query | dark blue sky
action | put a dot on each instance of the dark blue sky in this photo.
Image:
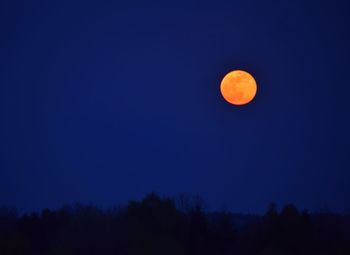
(106, 101)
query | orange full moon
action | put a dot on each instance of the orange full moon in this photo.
(238, 87)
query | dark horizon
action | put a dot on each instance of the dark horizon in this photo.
(207, 208)
(157, 225)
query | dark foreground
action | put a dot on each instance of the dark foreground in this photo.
(171, 226)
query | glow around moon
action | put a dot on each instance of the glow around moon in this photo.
(238, 87)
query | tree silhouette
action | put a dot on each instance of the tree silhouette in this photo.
(157, 225)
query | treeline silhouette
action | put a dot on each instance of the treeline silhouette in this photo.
(171, 226)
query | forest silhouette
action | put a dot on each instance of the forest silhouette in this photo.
(172, 226)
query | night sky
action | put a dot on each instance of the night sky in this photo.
(105, 101)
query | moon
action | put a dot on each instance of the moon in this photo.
(238, 87)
